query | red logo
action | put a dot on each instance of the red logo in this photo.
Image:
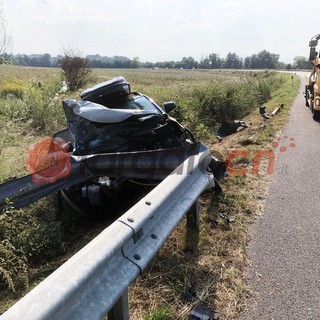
(245, 158)
(48, 160)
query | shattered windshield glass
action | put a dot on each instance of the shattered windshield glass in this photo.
(138, 103)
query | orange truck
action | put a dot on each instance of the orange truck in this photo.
(312, 88)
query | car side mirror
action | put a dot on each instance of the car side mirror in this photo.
(313, 54)
(313, 43)
(169, 106)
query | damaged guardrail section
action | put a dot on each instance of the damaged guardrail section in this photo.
(93, 281)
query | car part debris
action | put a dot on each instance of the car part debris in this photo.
(265, 115)
(263, 112)
(229, 127)
(202, 313)
(226, 217)
(277, 109)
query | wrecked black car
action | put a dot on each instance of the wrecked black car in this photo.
(111, 118)
(114, 136)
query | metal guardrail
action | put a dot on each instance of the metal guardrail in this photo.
(94, 282)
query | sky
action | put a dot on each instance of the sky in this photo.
(163, 30)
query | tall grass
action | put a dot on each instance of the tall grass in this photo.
(31, 102)
(229, 101)
(13, 267)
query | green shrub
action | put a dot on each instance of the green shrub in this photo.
(268, 85)
(13, 267)
(161, 313)
(222, 102)
(264, 90)
(14, 109)
(201, 132)
(229, 101)
(35, 232)
(14, 87)
(75, 70)
(38, 105)
(42, 242)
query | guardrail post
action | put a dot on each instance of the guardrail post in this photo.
(193, 217)
(193, 221)
(120, 311)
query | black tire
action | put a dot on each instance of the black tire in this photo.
(306, 96)
(311, 106)
(316, 115)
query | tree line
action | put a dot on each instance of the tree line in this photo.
(263, 60)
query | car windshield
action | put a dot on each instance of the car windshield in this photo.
(138, 103)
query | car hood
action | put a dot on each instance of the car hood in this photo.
(98, 113)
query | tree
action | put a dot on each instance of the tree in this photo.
(263, 60)
(45, 60)
(204, 63)
(213, 61)
(188, 63)
(246, 63)
(136, 62)
(233, 61)
(301, 63)
(5, 38)
(268, 60)
(75, 69)
(252, 62)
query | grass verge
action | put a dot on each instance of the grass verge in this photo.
(208, 267)
(192, 268)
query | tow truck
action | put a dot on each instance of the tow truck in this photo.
(312, 88)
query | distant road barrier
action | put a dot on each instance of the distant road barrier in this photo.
(94, 282)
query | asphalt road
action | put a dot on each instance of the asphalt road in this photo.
(285, 245)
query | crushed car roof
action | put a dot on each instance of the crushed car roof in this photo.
(99, 113)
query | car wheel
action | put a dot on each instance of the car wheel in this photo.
(306, 96)
(311, 106)
(316, 115)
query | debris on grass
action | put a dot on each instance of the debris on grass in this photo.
(202, 313)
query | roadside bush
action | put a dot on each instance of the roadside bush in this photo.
(14, 109)
(13, 267)
(220, 102)
(76, 70)
(36, 105)
(44, 109)
(228, 101)
(13, 87)
(162, 313)
(12, 222)
(268, 85)
(36, 233)
(202, 132)
(42, 242)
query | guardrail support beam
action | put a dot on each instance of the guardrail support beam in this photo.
(120, 311)
(193, 217)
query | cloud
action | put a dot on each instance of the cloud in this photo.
(168, 30)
